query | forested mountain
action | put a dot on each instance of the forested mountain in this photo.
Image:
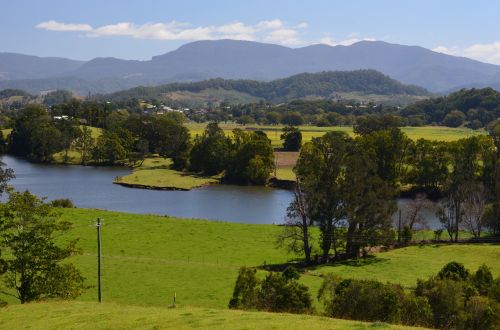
(322, 85)
(236, 59)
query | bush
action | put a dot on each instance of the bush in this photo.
(483, 280)
(363, 300)
(454, 271)
(63, 203)
(276, 293)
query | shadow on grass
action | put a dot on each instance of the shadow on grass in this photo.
(301, 266)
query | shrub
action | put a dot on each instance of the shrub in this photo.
(276, 293)
(363, 300)
(483, 280)
(454, 271)
(245, 289)
(63, 203)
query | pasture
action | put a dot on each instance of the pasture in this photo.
(147, 258)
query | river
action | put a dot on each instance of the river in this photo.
(92, 187)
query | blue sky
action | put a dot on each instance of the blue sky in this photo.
(140, 29)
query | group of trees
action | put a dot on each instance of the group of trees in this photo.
(453, 299)
(124, 138)
(347, 187)
(245, 157)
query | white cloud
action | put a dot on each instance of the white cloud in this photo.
(270, 25)
(57, 26)
(484, 52)
(489, 53)
(284, 37)
(352, 39)
(275, 31)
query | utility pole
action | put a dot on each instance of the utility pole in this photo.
(399, 226)
(98, 225)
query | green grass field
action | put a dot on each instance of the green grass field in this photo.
(156, 172)
(147, 258)
(437, 133)
(66, 315)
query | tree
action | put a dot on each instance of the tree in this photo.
(369, 202)
(413, 211)
(369, 124)
(251, 158)
(430, 162)
(389, 149)
(292, 138)
(84, 143)
(454, 119)
(169, 139)
(210, 151)
(295, 235)
(109, 148)
(320, 169)
(292, 119)
(473, 208)
(34, 135)
(36, 266)
(69, 133)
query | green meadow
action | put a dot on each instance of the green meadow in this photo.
(86, 315)
(147, 258)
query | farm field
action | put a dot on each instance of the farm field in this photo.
(86, 315)
(437, 133)
(146, 258)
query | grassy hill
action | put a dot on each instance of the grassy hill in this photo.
(65, 315)
(147, 258)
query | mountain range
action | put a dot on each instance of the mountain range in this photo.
(235, 59)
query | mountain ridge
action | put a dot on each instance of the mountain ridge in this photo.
(236, 59)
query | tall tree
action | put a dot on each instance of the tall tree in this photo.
(35, 264)
(320, 168)
(84, 143)
(369, 202)
(210, 151)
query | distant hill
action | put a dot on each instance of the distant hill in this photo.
(471, 107)
(235, 59)
(305, 85)
(15, 66)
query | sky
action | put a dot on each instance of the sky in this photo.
(131, 29)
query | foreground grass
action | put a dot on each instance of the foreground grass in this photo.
(146, 258)
(65, 315)
(156, 173)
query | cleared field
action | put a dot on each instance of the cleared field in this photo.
(156, 172)
(437, 133)
(405, 265)
(66, 315)
(146, 258)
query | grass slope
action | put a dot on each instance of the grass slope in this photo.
(147, 258)
(156, 173)
(66, 315)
